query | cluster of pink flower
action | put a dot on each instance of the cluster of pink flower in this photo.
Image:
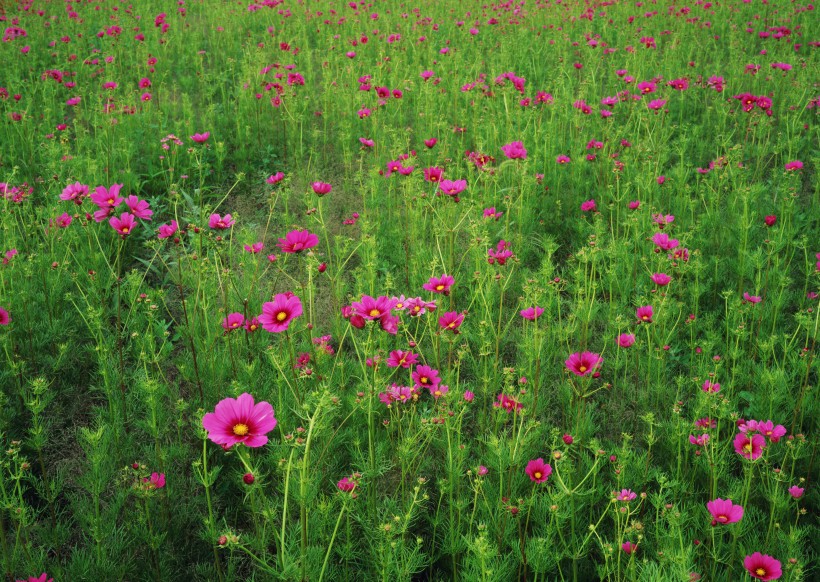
(751, 440)
(749, 102)
(15, 194)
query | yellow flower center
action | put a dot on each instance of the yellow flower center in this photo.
(722, 518)
(644, 317)
(437, 393)
(125, 229)
(253, 327)
(582, 369)
(240, 429)
(111, 201)
(439, 287)
(423, 380)
(760, 571)
(537, 474)
(399, 305)
(281, 316)
(374, 312)
(747, 447)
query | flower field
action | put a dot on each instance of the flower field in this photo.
(321, 291)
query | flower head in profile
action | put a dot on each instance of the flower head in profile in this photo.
(629, 547)
(626, 340)
(168, 230)
(240, 420)
(532, 313)
(201, 137)
(297, 241)
(660, 279)
(275, 178)
(277, 314)
(538, 470)
(255, 248)
(124, 224)
(321, 188)
(762, 567)
(515, 151)
(347, 484)
(796, 492)
(749, 446)
(795, 165)
(155, 481)
(751, 298)
(584, 363)
(5, 318)
(507, 403)
(439, 284)
(217, 222)
(41, 578)
(589, 206)
(724, 511)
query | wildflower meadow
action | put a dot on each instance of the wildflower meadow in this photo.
(417, 290)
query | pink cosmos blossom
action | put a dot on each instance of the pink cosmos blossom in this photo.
(492, 213)
(233, 321)
(240, 421)
(107, 197)
(346, 485)
(251, 324)
(660, 279)
(662, 220)
(662, 241)
(626, 495)
(218, 222)
(468, 396)
(626, 340)
(507, 403)
(373, 308)
(770, 431)
(41, 578)
(139, 208)
(155, 481)
(297, 241)
(5, 318)
(795, 165)
(277, 315)
(796, 492)
(532, 313)
(433, 174)
(699, 440)
(399, 358)
(589, 206)
(453, 187)
(770, 220)
(124, 224)
(451, 320)
(710, 387)
(584, 363)
(168, 230)
(751, 298)
(438, 391)
(64, 220)
(430, 143)
(515, 151)
(368, 143)
(538, 470)
(749, 446)
(201, 137)
(425, 377)
(724, 512)
(762, 567)
(439, 284)
(75, 192)
(562, 159)
(501, 253)
(275, 178)
(656, 104)
(144, 97)
(418, 306)
(255, 248)
(629, 548)
(321, 188)
(634, 204)
(644, 314)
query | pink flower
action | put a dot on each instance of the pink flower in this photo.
(626, 495)
(538, 470)
(532, 313)
(584, 364)
(773, 433)
(277, 315)
(628, 548)
(107, 197)
(438, 391)
(644, 314)
(751, 298)
(439, 284)
(468, 396)
(589, 206)
(425, 377)
(5, 318)
(700, 440)
(660, 279)
(507, 403)
(662, 241)
(346, 485)
(634, 204)
(321, 188)
(662, 220)
(41, 578)
(139, 208)
(492, 213)
(724, 512)
(297, 241)
(710, 387)
(201, 137)
(252, 324)
(515, 150)
(656, 104)
(762, 567)
(795, 165)
(626, 340)
(796, 492)
(749, 446)
(75, 192)
(433, 174)
(452, 187)
(482, 470)
(451, 320)
(168, 230)
(770, 219)
(500, 254)
(370, 308)
(233, 321)
(145, 96)
(399, 358)
(156, 481)
(562, 159)
(275, 178)
(64, 220)
(418, 306)
(218, 222)
(239, 420)
(255, 248)
(124, 224)
(368, 143)
(430, 143)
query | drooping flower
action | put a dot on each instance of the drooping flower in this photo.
(724, 511)
(217, 222)
(762, 567)
(626, 340)
(233, 321)
(239, 420)
(749, 446)
(439, 284)
(699, 440)
(297, 241)
(277, 315)
(451, 320)
(538, 470)
(515, 151)
(751, 298)
(584, 363)
(124, 224)
(644, 314)
(156, 481)
(532, 313)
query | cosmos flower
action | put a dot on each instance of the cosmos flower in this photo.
(240, 421)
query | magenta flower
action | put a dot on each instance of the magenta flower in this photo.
(710, 387)
(451, 320)
(749, 446)
(275, 178)
(634, 204)
(538, 470)
(629, 547)
(762, 567)
(107, 197)
(439, 284)
(626, 495)
(500, 254)
(233, 321)
(751, 298)
(5, 318)
(796, 492)
(507, 403)
(277, 315)
(430, 143)
(75, 192)
(656, 104)
(255, 248)
(700, 440)
(724, 512)
(438, 390)
(239, 420)
(589, 206)
(433, 174)
(492, 213)
(795, 165)
(139, 208)
(418, 306)
(662, 241)
(584, 364)
(773, 433)
(346, 485)
(468, 396)
(452, 187)
(64, 220)
(321, 188)
(218, 222)
(373, 308)
(425, 377)
(532, 313)
(626, 340)
(644, 314)
(41, 578)
(515, 151)
(156, 481)
(660, 279)
(201, 137)
(168, 230)
(398, 358)
(252, 324)
(297, 241)
(662, 220)
(562, 159)
(124, 224)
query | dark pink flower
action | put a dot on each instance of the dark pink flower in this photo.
(275, 178)
(660, 279)
(584, 363)
(433, 174)
(5, 318)
(532, 313)
(626, 495)
(644, 314)
(107, 197)
(538, 470)
(751, 298)
(239, 420)
(321, 188)
(425, 377)
(629, 547)
(626, 340)
(297, 241)
(724, 512)
(156, 481)
(233, 321)
(749, 446)
(201, 137)
(507, 403)
(589, 206)
(453, 187)
(439, 284)
(139, 208)
(124, 224)
(218, 222)
(515, 150)
(277, 315)
(399, 358)
(451, 320)
(762, 567)
(168, 230)
(796, 492)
